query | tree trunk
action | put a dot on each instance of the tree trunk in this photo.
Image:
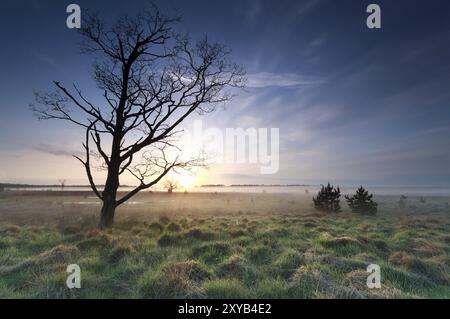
(107, 213)
(109, 196)
(112, 180)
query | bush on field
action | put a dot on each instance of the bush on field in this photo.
(362, 202)
(328, 199)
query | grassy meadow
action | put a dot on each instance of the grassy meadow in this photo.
(226, 245)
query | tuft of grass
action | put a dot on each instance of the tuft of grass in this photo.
(99, 240)
(174, 227)
(168, 240)
(197, 233)
(272, 289)
(287, 263)
(177, 280)
(120, 251)
(405, 280)
(211, 252)
(260, 254)
(10, 230)
(339, 242)
(425, 248)
(236, 267)
(60, 253)
(157, 227)
(164, 220)
(343, 265)
(436, 272)
(159, 286)
(226, 289)
(191, 269)
(309, 282)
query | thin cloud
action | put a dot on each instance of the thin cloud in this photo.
(44, 58)
(53, 150)
(307, 7)
(267, 79)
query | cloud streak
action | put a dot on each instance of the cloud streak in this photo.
(53, 150)
(268, 79)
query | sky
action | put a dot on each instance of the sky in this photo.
(353, 105)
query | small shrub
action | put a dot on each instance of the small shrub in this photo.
(328, 199)
(362, 202)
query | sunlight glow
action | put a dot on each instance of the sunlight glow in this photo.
(186, 181)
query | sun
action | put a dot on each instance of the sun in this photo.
(186, 181)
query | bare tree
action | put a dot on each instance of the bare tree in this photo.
(151, 79)
(62, 183)
(170, 185)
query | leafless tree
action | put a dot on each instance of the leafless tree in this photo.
(170, 185)
(151, 78)
(62, 183)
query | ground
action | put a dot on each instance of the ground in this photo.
(226, 245)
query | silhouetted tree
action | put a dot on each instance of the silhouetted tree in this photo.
(151, 79)
(62, 183)
(362, 202)
(328, 199)
(171, 185)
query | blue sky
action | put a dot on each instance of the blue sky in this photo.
(353, 105)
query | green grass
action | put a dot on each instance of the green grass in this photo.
(276, 255)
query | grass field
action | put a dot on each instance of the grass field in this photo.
(221, 246)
